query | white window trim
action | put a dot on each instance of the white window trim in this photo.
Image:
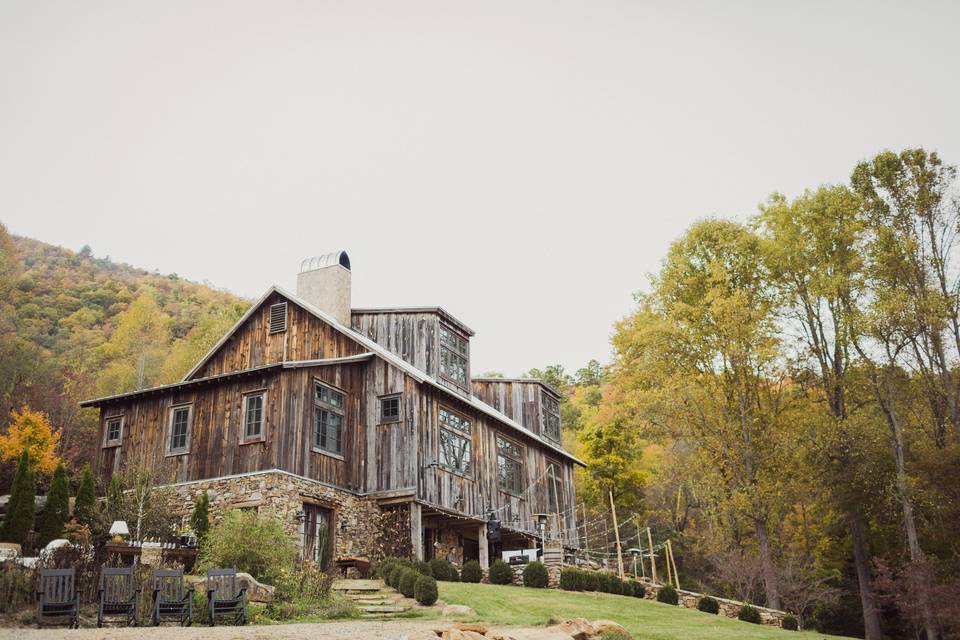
(262, 436)
(173, 411)
(107, 442)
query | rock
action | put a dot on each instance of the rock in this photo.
(256, 591)
(610, 626)
(476, 627)
(10, 550)
(540, 634)
(473, 635)
(576, 628)
(458, 610)
(453, 634)
(500, 636)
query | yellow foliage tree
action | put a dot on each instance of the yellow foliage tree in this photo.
(31, 431)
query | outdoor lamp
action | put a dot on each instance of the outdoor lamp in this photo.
(119, 529)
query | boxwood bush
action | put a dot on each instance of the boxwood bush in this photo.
(708, 605)
(535, 575)
(571, 579)
(790, 623)
(408, 581)
(636, 589)
(471, 572)
(668, 595)
(749, 614)
(425, 590)
(443, 570)
(501, 573)
(590, 581)
(423, 568)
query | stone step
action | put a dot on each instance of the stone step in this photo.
(357, 586)
(373, 601)
(383, 609)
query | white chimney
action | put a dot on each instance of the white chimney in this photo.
(324, 282)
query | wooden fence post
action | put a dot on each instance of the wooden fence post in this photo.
(616, 531)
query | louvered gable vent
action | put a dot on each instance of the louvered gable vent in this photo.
(278, 317)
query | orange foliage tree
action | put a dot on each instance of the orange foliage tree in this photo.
(31, 431)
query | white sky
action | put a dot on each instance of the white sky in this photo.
(523, 164)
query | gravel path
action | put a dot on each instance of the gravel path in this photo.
(358, 629)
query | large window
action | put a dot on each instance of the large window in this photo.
(454, 356)
(554, 488)
(455, 441)
(328, 420)
(550, 411)
(509, 465)
(179, 430)
(114, 434)
(253, 416)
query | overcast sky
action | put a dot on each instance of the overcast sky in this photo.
(523, 164)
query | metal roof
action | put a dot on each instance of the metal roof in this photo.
(331, 259)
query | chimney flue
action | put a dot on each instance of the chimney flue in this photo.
(324, 282)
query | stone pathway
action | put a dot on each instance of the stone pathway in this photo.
(372, 597)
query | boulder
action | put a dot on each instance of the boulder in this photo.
(458, 610)
(540, 634)
(576, 628)
(609, 626)
(476, 627)
(453, 634)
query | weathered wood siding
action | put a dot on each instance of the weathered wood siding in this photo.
(413, 337)
(519, 400)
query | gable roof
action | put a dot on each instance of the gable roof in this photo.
(385, 354)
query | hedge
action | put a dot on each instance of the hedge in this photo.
(708, 605)
(471, 572)
(535, 575)
(749, 614)
(668, 595)
(501, 573)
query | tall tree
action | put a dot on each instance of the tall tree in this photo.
(31, 431)
(22, 505)
(137, 346)
(85, 506)
(56, 510)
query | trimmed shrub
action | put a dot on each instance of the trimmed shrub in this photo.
(57, 508)
(571, 579)
(408, 582)
(471, 572)
(708, 605)
(423, 568)
(790, 623)
(535, 575)
(589, 581)
(425, 590)
(749, 614)
(443, 570)
(501, 573)
(395, 574)
(668, 595)
(637, 590)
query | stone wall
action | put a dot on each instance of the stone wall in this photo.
(282, 494)
(728, 608)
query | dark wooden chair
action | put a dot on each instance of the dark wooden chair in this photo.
(223, 597)
(58, 597)
(118, 595)
(172, 599)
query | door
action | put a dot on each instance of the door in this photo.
(317, 534)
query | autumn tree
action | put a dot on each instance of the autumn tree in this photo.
(136, 348)
(31, 431)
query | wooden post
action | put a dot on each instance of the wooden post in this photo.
(616, 531)
(666, 557)
(653, 559)
(676, 576)
(484, 547)
(586, 540)
(643, 570)
(416, 531)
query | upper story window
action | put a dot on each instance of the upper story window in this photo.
(181, 420)
(550, 413)
(253, 416)
(114, 432)
(509, 465)
(328, 420)
(455, 441)
(454, 356)
(555, 502)
(390, 409)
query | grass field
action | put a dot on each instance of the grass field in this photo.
(647, 620)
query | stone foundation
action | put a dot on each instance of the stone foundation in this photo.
(357, 519)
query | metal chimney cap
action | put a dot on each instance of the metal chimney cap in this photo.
(326, 260)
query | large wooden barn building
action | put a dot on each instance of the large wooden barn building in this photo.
(361, 429)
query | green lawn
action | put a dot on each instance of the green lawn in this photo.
(646, 619)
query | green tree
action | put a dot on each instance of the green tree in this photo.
(56, 510)
(85, 505)
(137, 346)
(116, 498)
(22, 505)
(200, 518)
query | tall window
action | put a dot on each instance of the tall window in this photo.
(389, 409)
(317, 534)
(554, 488)
(455, 441)
(550, 410)
(454, 355)
(114, 433)
(328, 420)
(253, 416)
(509, 465)
(180, 418)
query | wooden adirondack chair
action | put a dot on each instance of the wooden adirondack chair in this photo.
(223, 597)
(118, 595)
(58, 597)
(171, 598)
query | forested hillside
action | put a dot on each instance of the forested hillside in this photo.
(74, 326)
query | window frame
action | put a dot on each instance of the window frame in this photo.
(322, 405)
(107, 440)
(455, 432)
(246, 397)
(384, 398)
(455, 353)
(544, 398)
(170, 451)
(518, 459)
(558, 488)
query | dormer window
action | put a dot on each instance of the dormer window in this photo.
(550, 414)
(454, 357)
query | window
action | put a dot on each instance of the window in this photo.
(554, 488)
(454, 355)
(253, 417)
(455, 441)
(278, 317)
(114, 433)
(317, 538)
(179, 440)
(509, 465)
(389, 409)
(550, 412)
(328, 420)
